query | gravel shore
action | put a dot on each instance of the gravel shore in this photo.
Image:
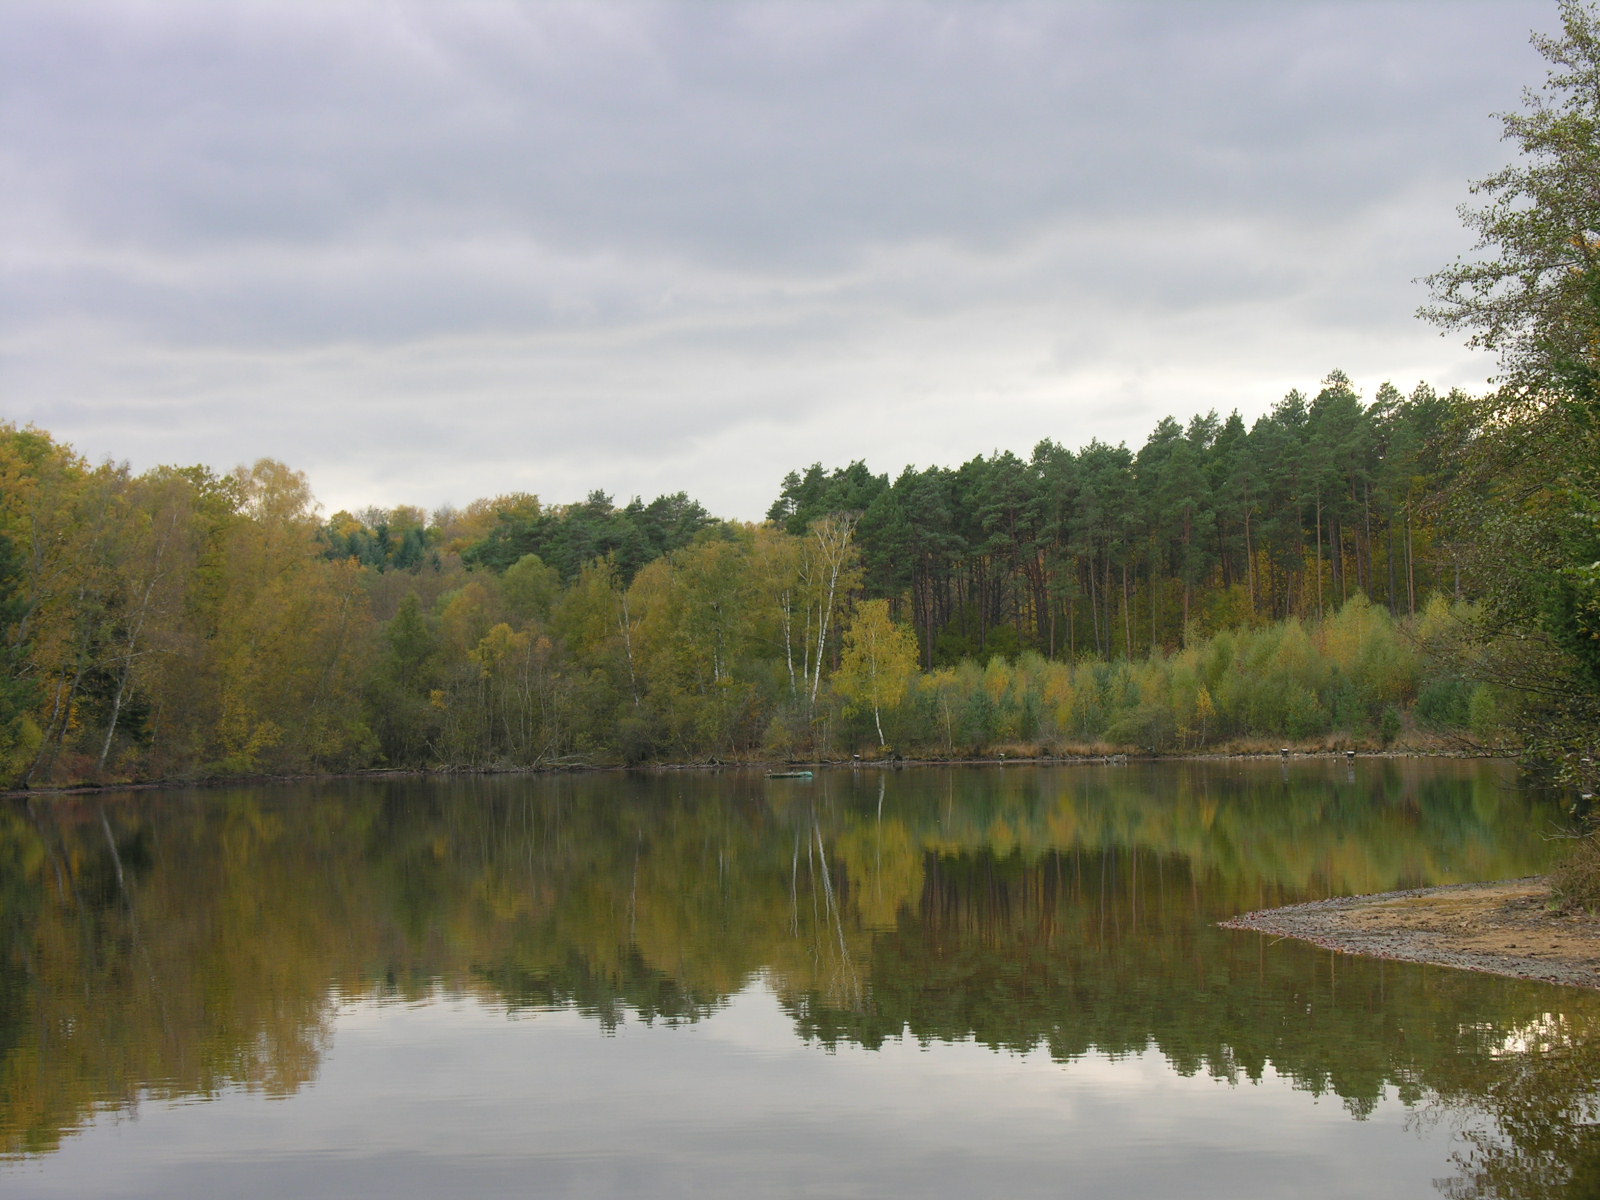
(1505, 928)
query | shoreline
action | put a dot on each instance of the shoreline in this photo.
(1001, 760)
(1505, 927)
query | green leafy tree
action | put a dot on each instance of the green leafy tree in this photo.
(1531, 293)
(402, 685)
(17, 693)
(879, 661)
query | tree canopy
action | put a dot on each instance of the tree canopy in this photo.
(1529, 493)
(1531, 291)
(1221, 582)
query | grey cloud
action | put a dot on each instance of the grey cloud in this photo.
(711, 126)
(600, 233)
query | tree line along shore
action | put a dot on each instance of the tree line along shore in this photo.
(1221, 587)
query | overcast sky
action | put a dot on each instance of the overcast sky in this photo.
(428, 252)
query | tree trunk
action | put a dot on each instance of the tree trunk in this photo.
(1127, 614)
(1319, 556)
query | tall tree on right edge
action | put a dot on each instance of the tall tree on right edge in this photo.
(1530, 487)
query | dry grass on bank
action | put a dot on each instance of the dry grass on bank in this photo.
(1575, 883)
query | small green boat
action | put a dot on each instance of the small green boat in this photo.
(788, 774)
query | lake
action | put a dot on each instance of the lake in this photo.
(930, 982)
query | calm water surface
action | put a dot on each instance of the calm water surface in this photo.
(965, 982)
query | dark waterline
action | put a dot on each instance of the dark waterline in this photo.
(940, 981)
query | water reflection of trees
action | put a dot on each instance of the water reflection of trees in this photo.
(1540, 1086)
(181, 944)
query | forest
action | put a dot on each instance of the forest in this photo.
(1221, 586)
